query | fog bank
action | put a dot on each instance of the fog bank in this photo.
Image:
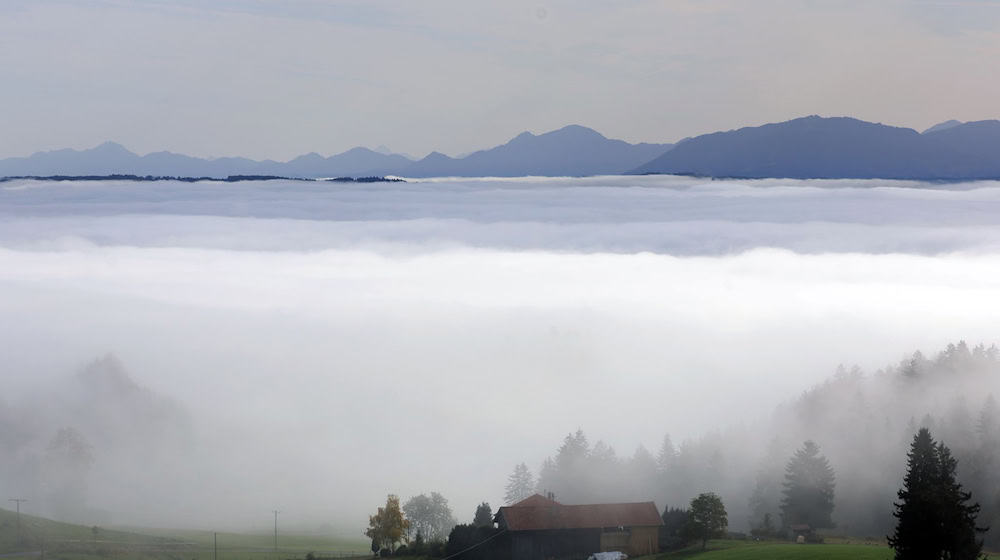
(329, 345)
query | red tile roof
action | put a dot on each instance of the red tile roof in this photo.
(589, 516)
(535, 500)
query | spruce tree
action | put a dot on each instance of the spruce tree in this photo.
(808, 489)
(935, 518)
(520, 485)
(484, 515)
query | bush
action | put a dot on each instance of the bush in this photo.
(766, 530)
(436, 549)
(671, 532)
(463, 537)
(418, 547)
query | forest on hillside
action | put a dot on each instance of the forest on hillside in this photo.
(862, 422)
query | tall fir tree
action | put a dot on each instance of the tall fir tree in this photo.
(935, 518)
(808, 489)
(520, 485)
(484, 515)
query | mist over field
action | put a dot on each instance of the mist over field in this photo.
(312, 347)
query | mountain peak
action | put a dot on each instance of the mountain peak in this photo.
(110, 147)
(436, 156)
(577, 129)
(837, 147)
(943, 126)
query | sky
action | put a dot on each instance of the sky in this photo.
(335, 343)
(267, 79)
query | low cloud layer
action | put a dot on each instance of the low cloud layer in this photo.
(333, 344)
(673, 215)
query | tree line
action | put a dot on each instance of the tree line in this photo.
(863, 421)
(776, 481)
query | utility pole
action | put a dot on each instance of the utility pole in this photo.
(18, 502)
(215, 547)
(276, 512)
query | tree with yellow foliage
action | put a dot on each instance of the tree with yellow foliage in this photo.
(388, 526)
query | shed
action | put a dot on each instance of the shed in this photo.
(542, 528)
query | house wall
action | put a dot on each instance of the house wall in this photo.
(615, 541)
(580, 543)
(563, 543)
(644, 540)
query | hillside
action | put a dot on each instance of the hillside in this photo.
(81, 542)
(58, 539)
(840, 147)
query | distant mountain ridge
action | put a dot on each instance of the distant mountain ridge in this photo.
(573, 150)
(839, 147)
(570, 151)
(112, 158)
(810, 147)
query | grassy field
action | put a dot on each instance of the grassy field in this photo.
(65, 541)
(836, 548)
(749, 550)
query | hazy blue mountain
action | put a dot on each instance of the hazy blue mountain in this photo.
(384, 150)
(97, 160)
(573, 150)
(362, 161)
(111, 158)
(942, 126)
(840, 147)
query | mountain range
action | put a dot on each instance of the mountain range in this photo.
(573, 150)
(803, 148)
(840, 147)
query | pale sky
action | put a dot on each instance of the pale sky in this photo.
(270, 79)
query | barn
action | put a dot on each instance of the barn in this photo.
(541, 528)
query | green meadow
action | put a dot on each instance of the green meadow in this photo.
(835, 549)
(66, 541)
(78, 542)
(749, 550)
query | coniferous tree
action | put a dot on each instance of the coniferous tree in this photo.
(962, 540)
(673, 530)
(667, 455)
(808, 489)
(484, 515)
(935, 519)
(520, 485)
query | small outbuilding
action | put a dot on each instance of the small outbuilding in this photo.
(541, 528)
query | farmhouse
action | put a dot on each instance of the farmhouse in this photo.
(541, 528)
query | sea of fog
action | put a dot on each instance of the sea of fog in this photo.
(337, 342)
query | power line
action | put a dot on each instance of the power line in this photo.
(18, 501)
(480, 543)
(276, 512)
